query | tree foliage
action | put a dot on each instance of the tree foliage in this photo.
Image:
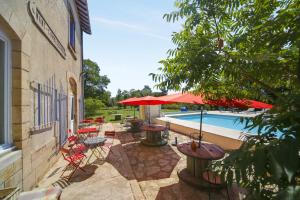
(245, 49)
(95, 85)
(92, 106)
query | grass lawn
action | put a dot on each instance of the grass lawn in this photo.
(108, 113)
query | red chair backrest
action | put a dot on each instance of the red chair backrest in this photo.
(110, 133)
(99, 120)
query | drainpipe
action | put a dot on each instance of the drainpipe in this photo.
(82, 79)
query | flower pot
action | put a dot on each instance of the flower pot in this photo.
(193, 146)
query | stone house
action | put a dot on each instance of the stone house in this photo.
(41, 96)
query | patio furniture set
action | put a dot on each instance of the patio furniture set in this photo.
(85, 139)
(196, 172)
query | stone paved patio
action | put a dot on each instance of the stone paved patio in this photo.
(130, 171)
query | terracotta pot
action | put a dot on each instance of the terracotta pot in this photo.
(193, 146)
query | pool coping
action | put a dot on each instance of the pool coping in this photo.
(228, 139)
(227, 113)
(225, 132)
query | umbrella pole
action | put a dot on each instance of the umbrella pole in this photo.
(200, 135)
(133, 112)
(149, 114)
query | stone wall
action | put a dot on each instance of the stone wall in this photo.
(34, 58)
(11, 170)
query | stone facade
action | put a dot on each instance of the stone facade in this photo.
(34, 59)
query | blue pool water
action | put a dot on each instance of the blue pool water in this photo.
(226, 121)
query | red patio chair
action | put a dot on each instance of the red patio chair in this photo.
(71, 137)
(110, 137)
(99, 120)
(75, 143)
(74, 160)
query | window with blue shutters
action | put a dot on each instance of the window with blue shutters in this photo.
(72, 31)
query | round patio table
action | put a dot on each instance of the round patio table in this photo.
(197, 162)
(153, 135)
(94, 143)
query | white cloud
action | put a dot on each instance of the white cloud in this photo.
(133, 27)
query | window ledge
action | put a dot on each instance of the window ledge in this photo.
(72, 51)
(40, 129)
(9, 157)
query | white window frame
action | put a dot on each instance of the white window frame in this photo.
(7, 94)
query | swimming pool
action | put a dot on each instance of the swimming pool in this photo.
(225, 121)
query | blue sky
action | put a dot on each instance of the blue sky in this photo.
(128, 39)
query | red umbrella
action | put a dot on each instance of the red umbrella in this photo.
(240, 103)
(148, 100)
(128, 102)
(187, 98)
(183, 98)
(194, 99)
(255, 104)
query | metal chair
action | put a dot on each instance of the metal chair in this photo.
(74, 160)
(75, 144)
(110, 137)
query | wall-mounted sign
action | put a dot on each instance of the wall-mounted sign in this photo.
(44, 27)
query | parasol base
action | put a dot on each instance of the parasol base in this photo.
(154, 144)
(197, 182)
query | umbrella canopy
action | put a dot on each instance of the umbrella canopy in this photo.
(240, 103)
(255, 104)
(128, 102)
(148, 100)
(183, 98)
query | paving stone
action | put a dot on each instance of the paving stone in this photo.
(163, 162)
(167, 168)
(152, 170)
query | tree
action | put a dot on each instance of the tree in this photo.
(92, 106)
(245, 49)
(95, 85)
(146, 91)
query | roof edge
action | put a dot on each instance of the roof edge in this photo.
(83, 11)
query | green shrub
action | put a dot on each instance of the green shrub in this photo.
(92, 106)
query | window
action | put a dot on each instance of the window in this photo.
(72, 31)
(5, 92)
(45, 104)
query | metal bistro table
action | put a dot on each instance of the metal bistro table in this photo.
(153, 135)
(94, 143)
(197, 162)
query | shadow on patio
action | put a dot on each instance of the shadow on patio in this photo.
(181, 191)
(150, 163)
(79, 176)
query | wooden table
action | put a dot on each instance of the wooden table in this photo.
(153, 135)
(197, 162)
